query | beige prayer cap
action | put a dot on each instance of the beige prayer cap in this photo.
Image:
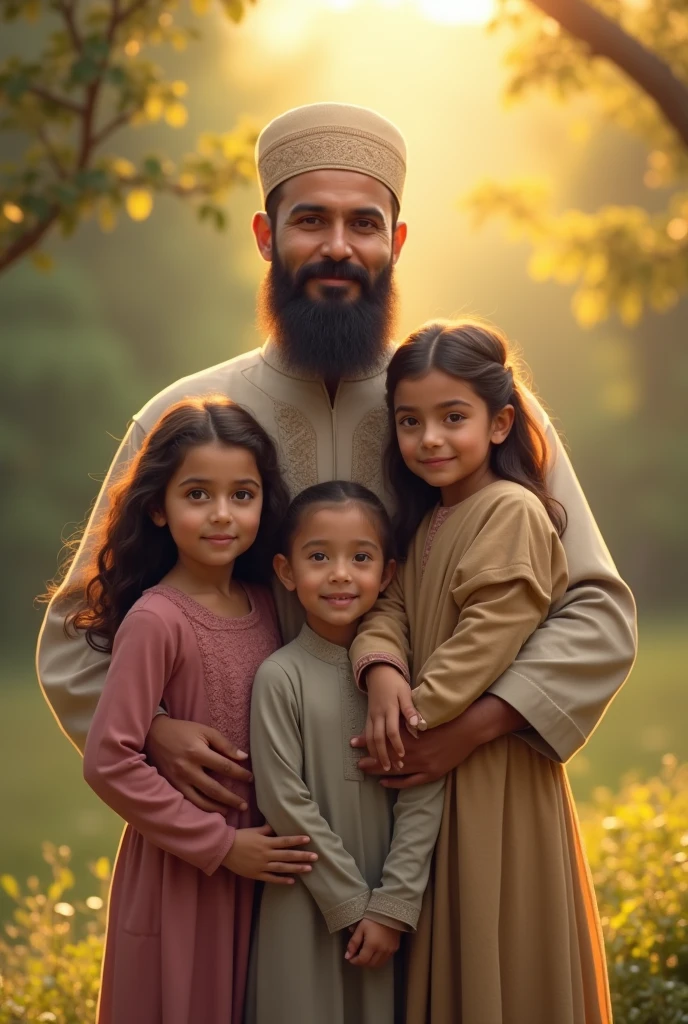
(331, 135)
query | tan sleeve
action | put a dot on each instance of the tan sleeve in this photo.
(383, 634)
(72, 674)
(335, 883)
(572, 666)
(417, 819)
(503, 588)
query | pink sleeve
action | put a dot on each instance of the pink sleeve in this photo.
(115, 765)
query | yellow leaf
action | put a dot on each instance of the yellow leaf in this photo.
(55, 891)
(124, 168)
(187, 180)
(101, 869)
(541, 264)
(42, 261)
(106, 216)
(596, 268)
(9, 884)
(589, 307)
(139, 203)
(200, 6)
(176, 115)
(179, 89)
(153, 108)
(630, 307)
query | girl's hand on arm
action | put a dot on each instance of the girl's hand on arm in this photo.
(372, 944)
(258, 853)
(389, 696)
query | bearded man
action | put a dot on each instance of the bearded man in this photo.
(332, 177)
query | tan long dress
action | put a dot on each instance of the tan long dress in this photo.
(509, 932)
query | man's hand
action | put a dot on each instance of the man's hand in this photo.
(389, 700)
(436, 752)
(183, 753)
(372, 944)
(258, 853)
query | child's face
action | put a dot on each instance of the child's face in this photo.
(213, 504)
(337, 568)
(444, 430)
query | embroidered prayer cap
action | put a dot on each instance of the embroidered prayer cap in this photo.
(331, 135)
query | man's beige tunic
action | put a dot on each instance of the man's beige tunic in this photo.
(566, 674)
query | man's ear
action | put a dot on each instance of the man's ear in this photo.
(158, 517)
(262, 230)
(280, 564)
(388, 574)
(400, 233)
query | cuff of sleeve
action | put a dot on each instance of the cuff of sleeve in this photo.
(377, 658)
(160, 710)
(390, 922)
(347, 913)
(391, 906)
(553, 732)
(223, 850)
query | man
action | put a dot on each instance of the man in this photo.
(332, 177)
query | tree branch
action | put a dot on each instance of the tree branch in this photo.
(67, 11)
(24, 243)
(58, 101)
(111, 127)
(608, 39)
(52, 155)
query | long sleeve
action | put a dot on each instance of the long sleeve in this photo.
(71, 674)
(417, 819)
(114, 762)
(335, 882)
(384, 631)
(570, 669)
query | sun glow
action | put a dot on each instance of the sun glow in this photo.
(457, 12)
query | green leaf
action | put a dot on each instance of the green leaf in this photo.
(152, 167)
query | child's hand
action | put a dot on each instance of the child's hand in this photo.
(372, 944)
(258, 853)
(388, 695)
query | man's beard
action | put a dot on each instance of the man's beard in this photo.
(334, 336)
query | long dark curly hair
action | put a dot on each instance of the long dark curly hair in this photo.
(131, 553)
(479, 354)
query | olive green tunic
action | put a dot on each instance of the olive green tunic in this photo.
(373, 855)
(509, 932)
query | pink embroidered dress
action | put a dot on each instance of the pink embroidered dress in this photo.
(179, 922)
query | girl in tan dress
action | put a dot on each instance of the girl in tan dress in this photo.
(509, 932)
(174, 592)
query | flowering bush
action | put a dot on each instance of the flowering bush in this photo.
(637, 843)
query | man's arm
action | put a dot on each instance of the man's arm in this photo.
(572, 666)
(72, 674)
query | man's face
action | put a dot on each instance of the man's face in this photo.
(337, 216)
(328, 299)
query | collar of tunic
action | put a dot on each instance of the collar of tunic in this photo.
(333, 654)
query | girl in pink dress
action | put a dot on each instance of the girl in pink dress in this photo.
(174, 592)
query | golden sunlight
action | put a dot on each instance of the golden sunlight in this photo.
(457, 12)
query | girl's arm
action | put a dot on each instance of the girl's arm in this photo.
(417, 818)
(504, 587)
(335, 883)
(383, 635)
(114, 763)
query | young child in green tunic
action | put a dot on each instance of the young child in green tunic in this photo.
(324, 950)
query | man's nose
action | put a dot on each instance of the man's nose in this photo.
(336, 245)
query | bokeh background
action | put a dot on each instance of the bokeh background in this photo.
(122, 314)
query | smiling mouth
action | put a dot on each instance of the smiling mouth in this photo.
(339, 600)
(220, 538)
(437, 462)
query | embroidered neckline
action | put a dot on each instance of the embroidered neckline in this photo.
(321, 648)
(274, 358)
(197, 611)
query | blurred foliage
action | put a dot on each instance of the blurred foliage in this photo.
(92, 78)
(51, 952)
(637, 843)
(620, 258)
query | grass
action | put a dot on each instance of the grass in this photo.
(43, 796)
